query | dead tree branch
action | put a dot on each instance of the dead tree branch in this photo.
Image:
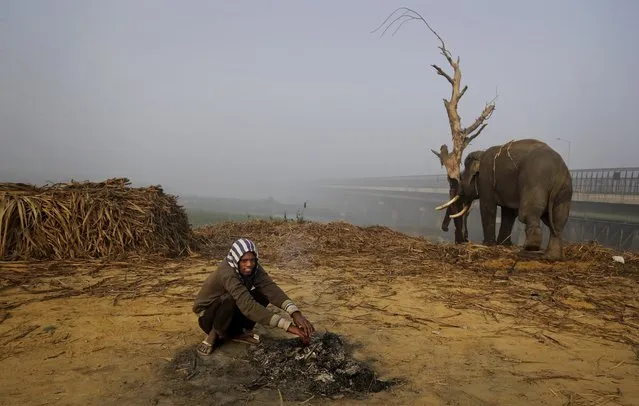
(461, 137)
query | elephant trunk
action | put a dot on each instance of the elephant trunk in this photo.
(454, 195)
(455, 210)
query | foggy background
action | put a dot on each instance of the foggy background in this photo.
(219, 98)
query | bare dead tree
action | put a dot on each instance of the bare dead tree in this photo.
(461, 136)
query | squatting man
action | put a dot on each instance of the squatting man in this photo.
(234, 298)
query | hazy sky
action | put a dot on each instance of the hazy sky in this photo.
(212, 96)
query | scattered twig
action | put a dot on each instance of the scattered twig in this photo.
(281, 398)
(308, 400)
(4, 316)
(193, 368)
(554, 376)
(21, 335)
(55, 355)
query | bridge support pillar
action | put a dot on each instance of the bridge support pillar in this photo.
(394, 214)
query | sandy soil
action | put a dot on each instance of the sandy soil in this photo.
(112, 333)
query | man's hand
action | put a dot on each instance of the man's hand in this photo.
(303, 324)
(298, 332)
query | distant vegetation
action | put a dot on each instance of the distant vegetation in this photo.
(202, 217)
(206, 210)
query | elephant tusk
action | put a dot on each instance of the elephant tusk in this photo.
(451, 201)
(461, 213)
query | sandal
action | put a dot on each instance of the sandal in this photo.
(247, 338)
(205, 349)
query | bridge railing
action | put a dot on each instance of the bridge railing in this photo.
(418, 181)
(606, 181)
(602, 181)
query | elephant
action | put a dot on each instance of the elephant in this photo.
(529, 181)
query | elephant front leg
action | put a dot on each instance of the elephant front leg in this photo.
(508, 217)
(461, 234)
(466, 226)
(488, 210)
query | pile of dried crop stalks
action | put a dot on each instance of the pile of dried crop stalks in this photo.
(337, 243)
(82, 220)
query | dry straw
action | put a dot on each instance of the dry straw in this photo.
(339, 243)
(587, 293)
(80, 220)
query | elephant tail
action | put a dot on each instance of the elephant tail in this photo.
(552, 196)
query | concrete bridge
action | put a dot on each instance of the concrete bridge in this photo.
(605, 205)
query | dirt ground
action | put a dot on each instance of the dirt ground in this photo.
(97, 333)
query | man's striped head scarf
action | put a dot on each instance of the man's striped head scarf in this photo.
(239, 248)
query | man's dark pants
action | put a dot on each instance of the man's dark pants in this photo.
(226, 318)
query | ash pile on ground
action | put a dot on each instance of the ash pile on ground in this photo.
(323, 368)
(237, 374)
